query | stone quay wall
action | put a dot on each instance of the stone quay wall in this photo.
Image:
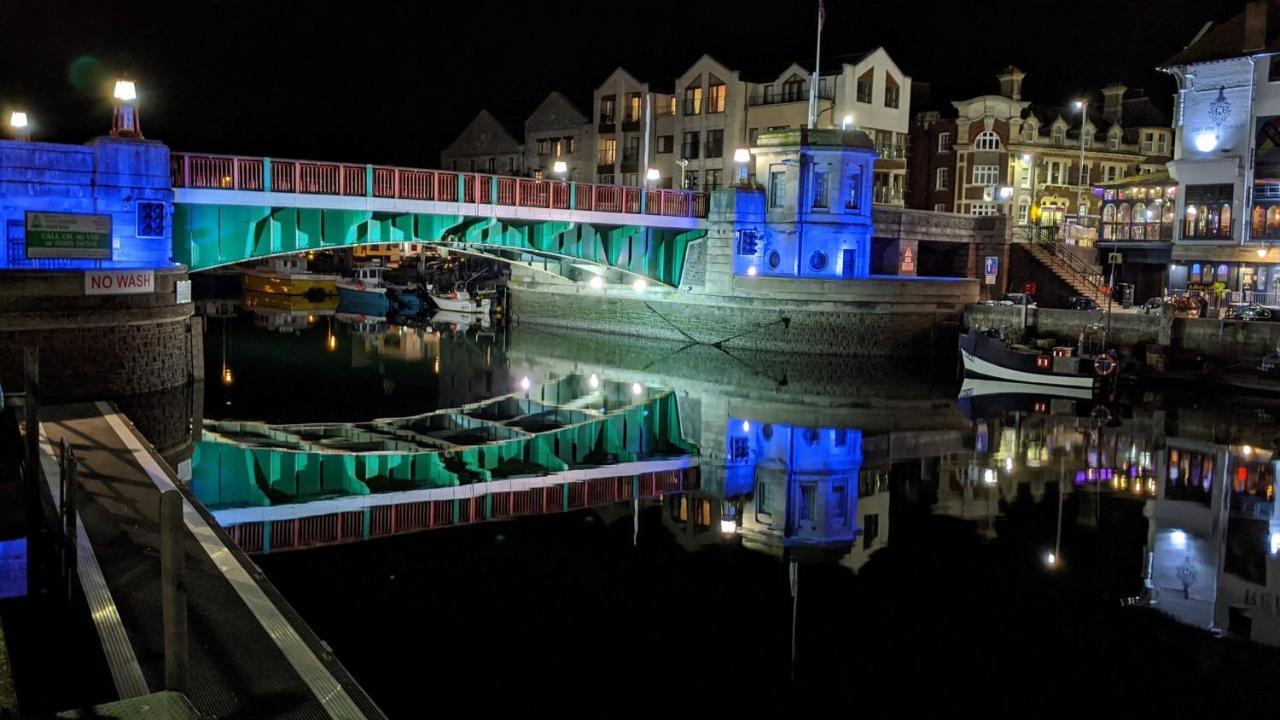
(97, 347)
(876, 317)
(1220, 340)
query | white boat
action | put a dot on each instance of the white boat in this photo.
(974, 387)
(460, 301)
(460, 321)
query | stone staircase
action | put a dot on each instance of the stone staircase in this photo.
(1084, 277)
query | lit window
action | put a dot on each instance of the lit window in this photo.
(987, 140)
(986, 174)
(693, 100)
(716, 98)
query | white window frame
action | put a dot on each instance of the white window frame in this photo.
(940, 207)
(942, 179)
(986, 175)
(983, 209)
(987, 140)
(944, 142)
(1024, 210)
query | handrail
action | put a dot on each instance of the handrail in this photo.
(1044, 237)
(254, 174)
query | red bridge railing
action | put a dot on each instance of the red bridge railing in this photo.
(228, 172)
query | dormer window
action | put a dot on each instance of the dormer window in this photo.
(1029, 131)
(1059, 134)
(1113, 138)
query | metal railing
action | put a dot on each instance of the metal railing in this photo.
(226, 172)
(887, 195)
(1204, 229)
(888, 151)
(1146, 231)
(781, 95)
(1061, 256)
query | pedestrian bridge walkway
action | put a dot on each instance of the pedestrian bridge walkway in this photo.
(230, 209)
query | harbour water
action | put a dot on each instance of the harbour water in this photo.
(523, 518)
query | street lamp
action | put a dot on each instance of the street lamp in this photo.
(651, 175)
(683, 163)
(1083, 106)
(18, 123)
(124, 122)
(560, 168)
(742, 156)
(847, 122)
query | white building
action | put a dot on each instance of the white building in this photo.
(1227, 156)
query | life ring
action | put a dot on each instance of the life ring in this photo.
(1105, 364)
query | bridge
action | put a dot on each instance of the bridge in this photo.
(563, 444)
(230, 209)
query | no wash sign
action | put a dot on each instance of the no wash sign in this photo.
(119, 282)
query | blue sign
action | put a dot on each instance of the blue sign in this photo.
(990, 268)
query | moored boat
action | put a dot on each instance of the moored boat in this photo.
(367, 293)
(288, 275)
(461, 301)
(988, 356)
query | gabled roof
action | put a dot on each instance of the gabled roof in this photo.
(484, 135)
(556, 112)
(1220, 41)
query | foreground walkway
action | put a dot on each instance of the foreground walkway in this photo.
(249, 653)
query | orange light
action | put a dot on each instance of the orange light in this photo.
(226, 376)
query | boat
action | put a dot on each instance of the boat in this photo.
(461, 301)
(288, 275)
(367, 293)
(986, 355)
(459, 322)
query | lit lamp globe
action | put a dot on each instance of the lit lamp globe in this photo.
(652, 175)
(560, 168)
(742, 156)
(124, 122)
(18, 123)
(847, 122)
(1206, 142)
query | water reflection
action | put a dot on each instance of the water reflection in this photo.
(1156, 501)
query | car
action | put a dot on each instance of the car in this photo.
(1082, 302)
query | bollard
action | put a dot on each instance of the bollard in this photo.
(173, 591)
(69, 493)
(31, 475)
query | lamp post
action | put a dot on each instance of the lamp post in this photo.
(742, 157)
(124, 122)
(1083, 106)
(683, 163)
(18, 123)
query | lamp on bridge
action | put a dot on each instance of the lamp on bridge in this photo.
(742, 156)
(124, 122)
(561, 168)
(651, 176)
(18, 123)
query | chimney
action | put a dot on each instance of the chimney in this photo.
(1011, 82)
(1255, 25)
(1113, 102)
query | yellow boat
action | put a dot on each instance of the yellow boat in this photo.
(288, 276)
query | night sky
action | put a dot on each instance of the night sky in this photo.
(392, 82)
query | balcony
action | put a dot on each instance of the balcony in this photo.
(1137, 232)
(630, 156)
(891, 152)
(608, 123)
(887, 195)
(780, 97)
(1201, 229)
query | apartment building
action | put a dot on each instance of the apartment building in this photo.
(557, 131)
(484, 146)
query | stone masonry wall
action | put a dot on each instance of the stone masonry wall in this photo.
(96, 348)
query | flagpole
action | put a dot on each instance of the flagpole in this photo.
(817, 74)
